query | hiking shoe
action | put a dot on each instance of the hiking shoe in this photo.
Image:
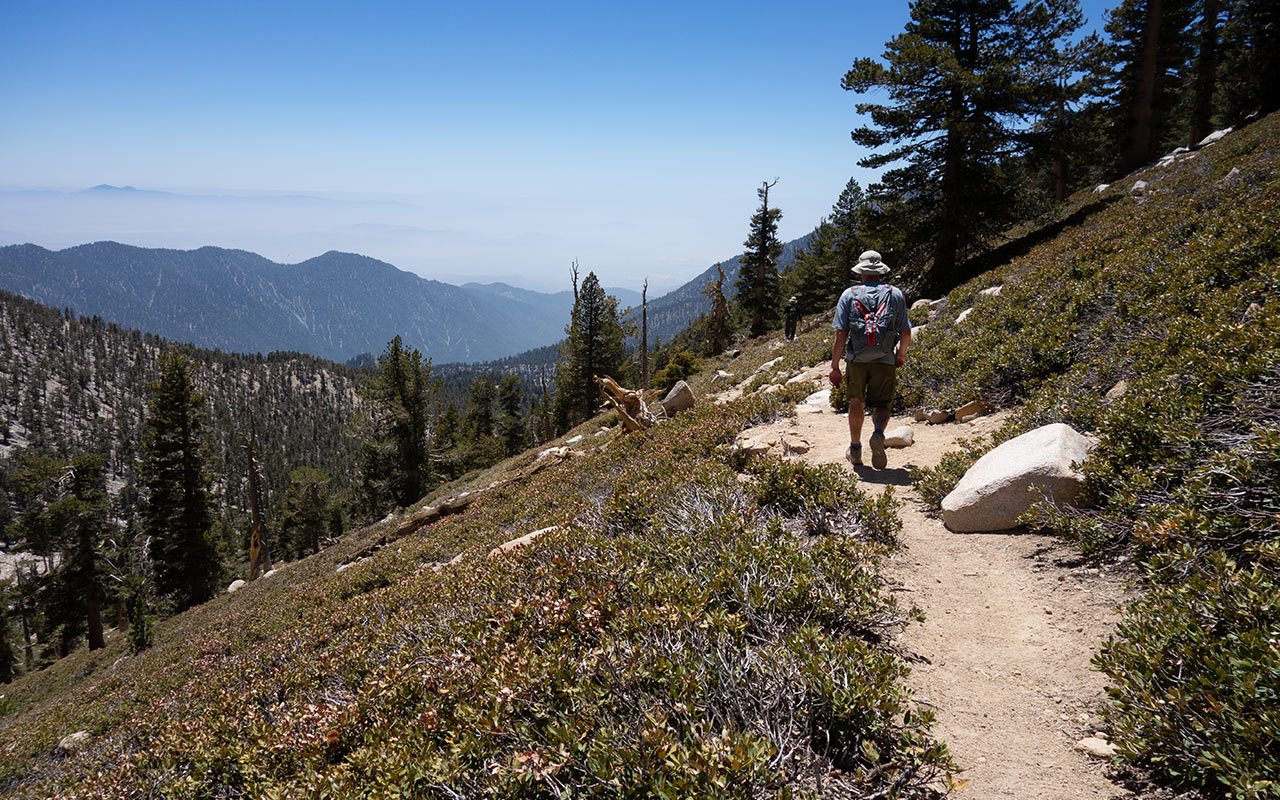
(854, 455)
(878, 458)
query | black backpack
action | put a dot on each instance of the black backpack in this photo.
(873, 329)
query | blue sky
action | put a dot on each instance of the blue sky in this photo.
(462, 141)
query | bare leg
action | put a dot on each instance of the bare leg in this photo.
(855, 421)
(879, 418)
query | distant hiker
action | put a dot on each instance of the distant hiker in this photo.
(873, 334)
(793, 317)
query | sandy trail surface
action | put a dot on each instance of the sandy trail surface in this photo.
(1012, 621)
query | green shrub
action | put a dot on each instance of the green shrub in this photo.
(679, 636)
(1176, 295)
(1195, 674)
(681, 365)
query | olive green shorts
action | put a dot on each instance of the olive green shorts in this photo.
(872, 384)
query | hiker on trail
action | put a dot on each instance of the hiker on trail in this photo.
(873, 334)
(793, 317)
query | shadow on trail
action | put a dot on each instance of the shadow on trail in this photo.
(898, 476)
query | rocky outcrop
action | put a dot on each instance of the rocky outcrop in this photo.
(901, 436)
(680, 398)
(998, 488)
(74, 742)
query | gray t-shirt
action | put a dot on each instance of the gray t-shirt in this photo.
(897, 309)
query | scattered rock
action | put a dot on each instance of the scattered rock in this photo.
(937, 416)
(346, 566)
(574, 440)
(1232, 175)
(919, 414)
(1213, 137)
(680, 398)
(771, 388)
(766, 366)
(993, 291)
(970, 410)
(1117, 391)
(74, 741)
(819, 398)
(918, 329)
(793, 444)
(733, 353)
(269, 573)
(964, 315)
(998, 487)
(235, 586)
(1097, 748)
(923, 302)
(1139, 188)
(721, 376)
(521, 541)
(938, 305)
(759, 444)
(776, 346)
(1100, 188)
(899, 437)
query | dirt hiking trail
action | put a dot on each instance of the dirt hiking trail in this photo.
(1011, 623)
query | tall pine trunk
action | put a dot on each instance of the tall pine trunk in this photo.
(1143, 116)
(1206, 75)
(644, 335)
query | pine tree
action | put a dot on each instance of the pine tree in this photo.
(176, 508)
(306, 519)
(511, 423)
(64, 520)
(757, 282)
(595, 346)
(817, 267)
(1149, 50)
(1249, 75)
(718, 317)
(394, 431)
(844, 238)
(961, 81)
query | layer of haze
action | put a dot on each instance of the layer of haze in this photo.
(474, 141)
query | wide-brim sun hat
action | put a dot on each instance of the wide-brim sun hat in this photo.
(869, 263)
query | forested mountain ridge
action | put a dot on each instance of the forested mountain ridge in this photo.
(337, 305)
(80, 385)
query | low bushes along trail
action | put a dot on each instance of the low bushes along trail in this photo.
(1012, 621)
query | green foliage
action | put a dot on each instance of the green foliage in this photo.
(393, 427)
(677, 637)
(964, 80)
(308, 507)
(681, 365)
(595, 346)
(1194, 669)
(177, 510)
(141, 623)
(1176, 296)
(757, 282)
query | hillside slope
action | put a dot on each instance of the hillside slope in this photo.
(684, 630)
(72, 386)
(1152, 321)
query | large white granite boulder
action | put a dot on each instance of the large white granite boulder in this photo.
(998, 487)
(680, 398)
